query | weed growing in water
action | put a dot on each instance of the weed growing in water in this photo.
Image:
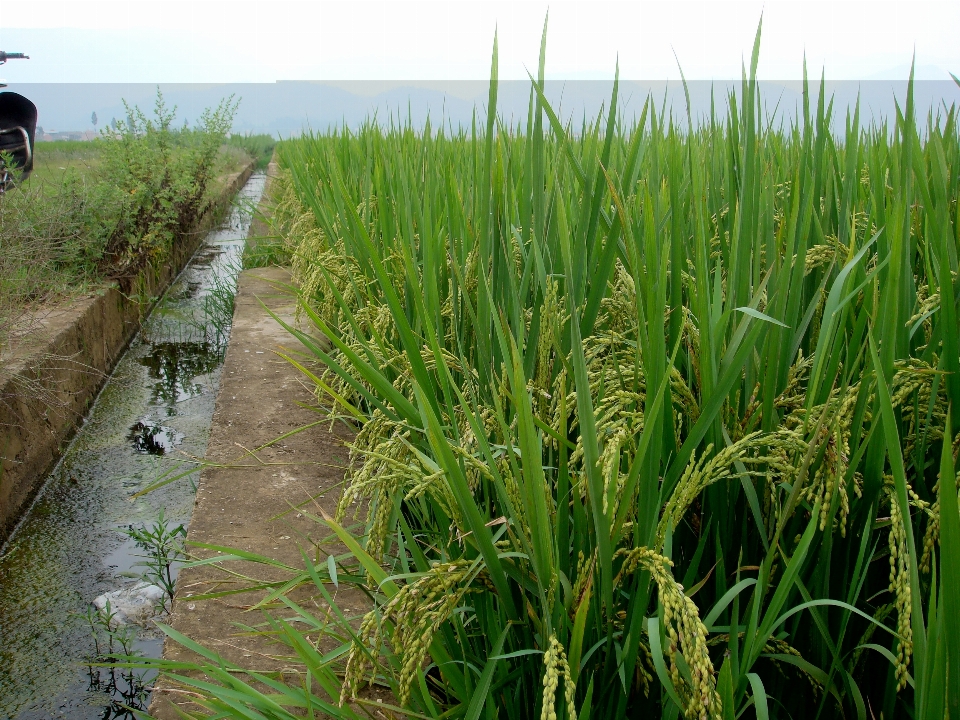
(267, 245)
(111, 638)
(164, 548)
(114, 642)
(218, 307)
(266, 251)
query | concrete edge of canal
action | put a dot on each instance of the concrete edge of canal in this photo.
(48, 384)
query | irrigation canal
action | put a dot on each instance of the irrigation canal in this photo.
(152, 415)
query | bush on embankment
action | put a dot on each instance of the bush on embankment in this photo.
(653, 419)
(257, 146)
(137, 188)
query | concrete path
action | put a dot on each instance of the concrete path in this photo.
(247, 504)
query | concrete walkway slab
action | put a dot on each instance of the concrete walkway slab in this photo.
(246, 503)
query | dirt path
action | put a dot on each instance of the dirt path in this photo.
(249, 507)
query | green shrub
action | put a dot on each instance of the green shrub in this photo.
(117, 203)
(158, 178)
(259, 147)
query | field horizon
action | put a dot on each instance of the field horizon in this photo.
(287, 108)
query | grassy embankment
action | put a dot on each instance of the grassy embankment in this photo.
(92, 211)
(653, 419)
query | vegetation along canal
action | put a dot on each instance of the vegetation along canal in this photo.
(151, 418)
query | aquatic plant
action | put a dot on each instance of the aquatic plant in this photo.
(163, 547)
(127, 688)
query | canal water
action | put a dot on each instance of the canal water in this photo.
(148, 423)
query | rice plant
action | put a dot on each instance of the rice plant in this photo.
(653, 418)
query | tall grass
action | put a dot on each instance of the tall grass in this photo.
(653, 418)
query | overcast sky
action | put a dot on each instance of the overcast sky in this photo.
(213, 41)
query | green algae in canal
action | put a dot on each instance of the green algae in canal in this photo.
(174, 366)
(68, 549)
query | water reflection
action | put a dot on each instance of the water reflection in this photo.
(128, 691)
(175, 365)
(151, 438)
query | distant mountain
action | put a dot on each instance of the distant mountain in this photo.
(288, 108)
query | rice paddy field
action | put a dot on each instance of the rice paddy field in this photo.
(653, 418)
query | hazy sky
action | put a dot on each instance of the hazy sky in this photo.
(212, 41)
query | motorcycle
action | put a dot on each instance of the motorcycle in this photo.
(18, 125)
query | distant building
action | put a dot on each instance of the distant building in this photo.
(51, 135)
